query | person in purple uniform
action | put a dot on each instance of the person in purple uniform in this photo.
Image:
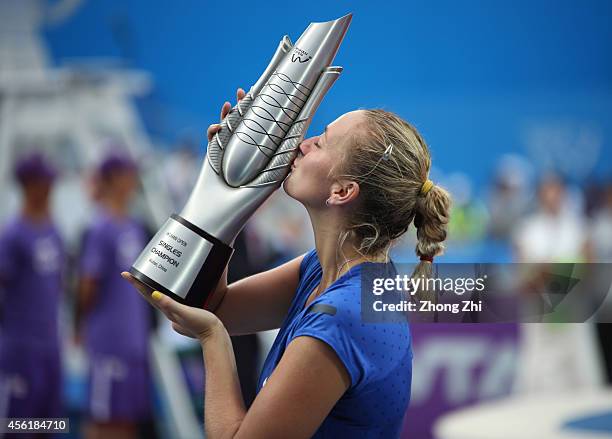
(113, 322)
(31, 267)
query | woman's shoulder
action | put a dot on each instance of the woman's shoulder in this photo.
(309, 262)
(309, 274)
(341, 304)
(336, 319)
(343, 309)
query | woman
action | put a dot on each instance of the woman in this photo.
(363, 181)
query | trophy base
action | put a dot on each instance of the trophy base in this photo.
(183, 262)
(154, 286)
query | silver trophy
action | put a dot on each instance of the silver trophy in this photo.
(246, 161)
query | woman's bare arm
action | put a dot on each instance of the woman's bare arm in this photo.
(256, 303)
(304, 387)
(301, 391)
(259, 302)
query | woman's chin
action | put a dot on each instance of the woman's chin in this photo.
(289, 185)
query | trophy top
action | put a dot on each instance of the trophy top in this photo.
(348, 17)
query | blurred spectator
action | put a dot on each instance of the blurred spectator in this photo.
(556, 232)
(31, 264)
(556, 357)
(115, 321)
(509, 198)
(601, 228)
(593, 197)
(601, 244)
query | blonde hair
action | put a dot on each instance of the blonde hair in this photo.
(390, 161)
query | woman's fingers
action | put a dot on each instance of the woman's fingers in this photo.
(144, 290)
(171, 308)
(240, 94)
(195, 322)
(186, 320)
(212, 130)
(225, 109)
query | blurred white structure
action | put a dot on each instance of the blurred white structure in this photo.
(528, 417)
(70, 114)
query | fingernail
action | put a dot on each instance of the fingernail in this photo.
(156, 295)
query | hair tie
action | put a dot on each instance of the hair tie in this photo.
(426, 187)
(427, 258)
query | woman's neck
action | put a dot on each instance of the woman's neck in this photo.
(335, 261)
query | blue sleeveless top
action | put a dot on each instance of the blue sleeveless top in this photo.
(377, 356)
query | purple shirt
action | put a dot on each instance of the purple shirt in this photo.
(118, 322)
(31, 264)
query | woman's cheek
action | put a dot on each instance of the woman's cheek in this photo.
(299, 186)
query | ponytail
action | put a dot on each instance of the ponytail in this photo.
(431, 221)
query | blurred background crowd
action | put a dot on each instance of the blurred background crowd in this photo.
(103, 112)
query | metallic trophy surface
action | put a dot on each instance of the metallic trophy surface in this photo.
(246, 161)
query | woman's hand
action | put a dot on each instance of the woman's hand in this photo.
(215, 127)
(186, 320)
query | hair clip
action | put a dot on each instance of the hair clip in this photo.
(388, 152)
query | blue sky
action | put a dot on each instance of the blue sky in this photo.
(473, 76)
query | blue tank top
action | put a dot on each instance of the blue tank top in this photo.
(377, 356)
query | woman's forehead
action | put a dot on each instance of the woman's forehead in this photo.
(344, 125)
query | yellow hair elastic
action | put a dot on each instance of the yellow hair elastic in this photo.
(426, 187)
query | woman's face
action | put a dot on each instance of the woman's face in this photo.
(313, 171)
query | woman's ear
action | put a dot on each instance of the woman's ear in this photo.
(343, 192)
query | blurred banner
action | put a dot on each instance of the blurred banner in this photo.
(456, 366)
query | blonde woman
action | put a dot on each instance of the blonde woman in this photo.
(363, 182)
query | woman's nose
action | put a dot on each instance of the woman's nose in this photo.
(305, 146)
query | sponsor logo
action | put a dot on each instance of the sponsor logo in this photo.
(300, 56)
